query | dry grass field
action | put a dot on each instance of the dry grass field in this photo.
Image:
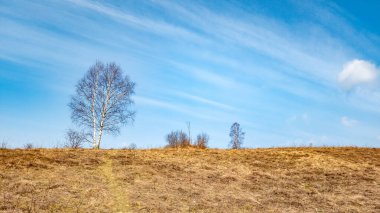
(190, 180)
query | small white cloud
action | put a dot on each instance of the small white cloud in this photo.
(378, 138)
(348, 122)
(357, 72)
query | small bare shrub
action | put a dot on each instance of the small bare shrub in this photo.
(202, 141)
(177, 139)
(171, 138)
(3, 145)
(28, 146)
(132, 146)
(75, 139)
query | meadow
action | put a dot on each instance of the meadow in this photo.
(342, 179)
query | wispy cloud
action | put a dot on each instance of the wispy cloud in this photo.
(206, 101)
(273, 39)
(154, 102)
(142, 23)
(212, 78)
(170, 106)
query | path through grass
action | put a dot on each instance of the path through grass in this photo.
(116, 189)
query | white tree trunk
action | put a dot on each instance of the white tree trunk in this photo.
(104, 112)
(93, 112)
(94, 128)
(99, 138)
(94, 133)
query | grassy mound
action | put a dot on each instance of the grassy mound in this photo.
(183, 180)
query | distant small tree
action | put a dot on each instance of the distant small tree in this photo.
(102, 100)
(75, 139)
(177, 139)
(237, 136)
(202, 141)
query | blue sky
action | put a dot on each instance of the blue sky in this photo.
(290, 72)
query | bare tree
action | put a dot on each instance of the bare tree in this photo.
(237, 136)
(202, 140)
(75, 139)
(103, 101)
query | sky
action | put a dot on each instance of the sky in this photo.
(292, 73)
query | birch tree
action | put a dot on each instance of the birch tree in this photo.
(237, 136)
(102, 102)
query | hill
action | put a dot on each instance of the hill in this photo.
(171, 180)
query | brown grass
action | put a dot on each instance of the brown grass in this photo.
(190, 180)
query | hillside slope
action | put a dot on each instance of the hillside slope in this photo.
(170, 180)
